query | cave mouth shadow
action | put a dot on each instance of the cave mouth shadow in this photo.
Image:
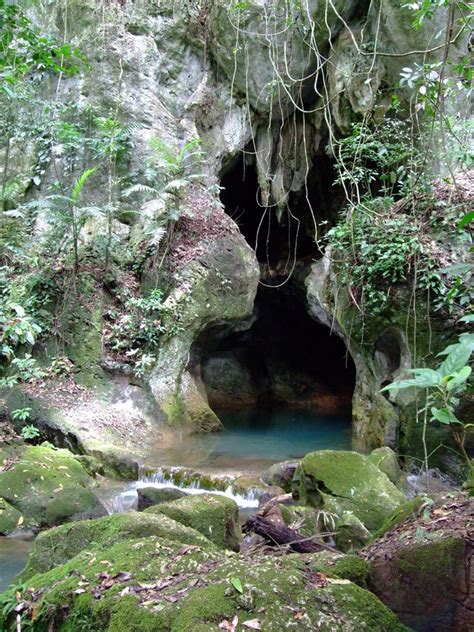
(284, 360)
(294, 235)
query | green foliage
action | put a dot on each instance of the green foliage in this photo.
(168, 175)
(70, 215)
(30, 432)
(444, 386)
(16, 328)
(378, 158)
(134, 330)
(26, 368)
(21, 414)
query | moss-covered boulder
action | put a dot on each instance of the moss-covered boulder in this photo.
(216, 517)
(150, 584)
(343, 481)
(351, 534)
(281, 474)
(10, 518)
(422, 568)
(46, 486)
(149, 496)
(386, 460)
(409, 509)
(56, 546)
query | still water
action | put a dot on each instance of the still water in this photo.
(253, 439)
(13, 556)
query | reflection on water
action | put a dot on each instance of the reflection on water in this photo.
(13, 556)
(253, 439)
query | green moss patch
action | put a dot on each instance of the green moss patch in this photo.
(48, 487)
(216, 517)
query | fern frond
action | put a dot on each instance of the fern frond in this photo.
(139, 188)
(78, 186)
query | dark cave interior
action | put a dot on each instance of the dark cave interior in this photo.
(275, 241)
(284, 358)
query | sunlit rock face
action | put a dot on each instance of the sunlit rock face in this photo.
(263, 86)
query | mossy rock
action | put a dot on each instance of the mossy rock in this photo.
(149, 496)
(152, 585)
(426, 584)
(336, 564)
(351, 534)
(344, 481)
(56, 546)
(216, 517)
(410, 508)
(48, 487)
(386, 460)
(10, 518)
(281, 474)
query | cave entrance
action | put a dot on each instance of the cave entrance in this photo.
(284, 385)
(293, 237)
(285, 358)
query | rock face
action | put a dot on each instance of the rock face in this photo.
(341, 481)
(44, 487)
(146, 572)
(229, 76)
(423, 568)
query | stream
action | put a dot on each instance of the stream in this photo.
(253, 440)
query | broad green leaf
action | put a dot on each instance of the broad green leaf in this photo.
(459, 378)
(237, 584)
(427, 375)
(444, 416)
(456, 359)
(30, 338)
(467, 219)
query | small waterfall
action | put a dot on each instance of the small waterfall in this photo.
(185, 480)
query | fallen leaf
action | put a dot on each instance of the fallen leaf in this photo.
(253, 624)
(21, 520)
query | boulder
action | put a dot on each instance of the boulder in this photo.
(149, 496)
(150, 583)
(10, 518)
(47, 487)
(343, 481)
(351, 534)
(423, 568)
(57, 546)
(281, 474)
(386, 460)
(216, 517)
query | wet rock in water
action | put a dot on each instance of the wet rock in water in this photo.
(151, 583)
(149, 496)
(46, 486)
(281, 474)
(423, 568)
(57, 546)
(343, 481)
(250, 486)
(216, 517)
(386, 460)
